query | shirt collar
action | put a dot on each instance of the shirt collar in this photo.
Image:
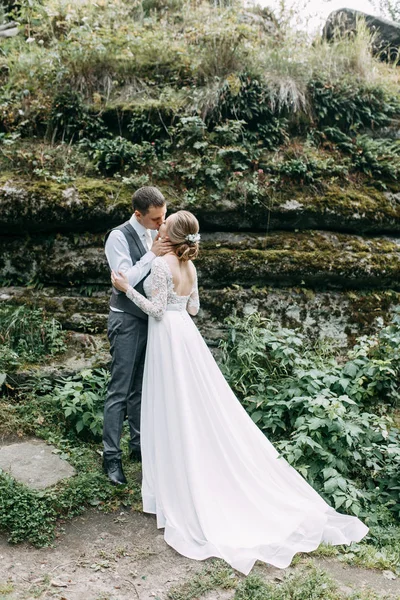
(138, 227)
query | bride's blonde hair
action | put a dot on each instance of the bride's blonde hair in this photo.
(180, 225)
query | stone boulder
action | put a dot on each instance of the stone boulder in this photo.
(386, 42)
(8, 30)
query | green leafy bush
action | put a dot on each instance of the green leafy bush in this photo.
(251, 102)
(305, 170)
(119, 154)
(325, 416)
(70, 119)
(24, 514)
(190, 130)
(150, 126)
(81, 398)
(374, 367)
(351, 106)
(228, 133)
(375, 157)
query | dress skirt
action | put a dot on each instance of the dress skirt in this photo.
(212, 478)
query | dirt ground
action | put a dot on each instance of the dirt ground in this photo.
(123, 556)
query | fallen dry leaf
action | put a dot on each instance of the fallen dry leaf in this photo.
(55, 583)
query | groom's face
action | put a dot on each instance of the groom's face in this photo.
(153, 218)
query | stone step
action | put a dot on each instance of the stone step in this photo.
(30, 206)
(315, 259)
(35, 464)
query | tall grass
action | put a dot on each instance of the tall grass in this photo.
(110, 48)
(27, 335)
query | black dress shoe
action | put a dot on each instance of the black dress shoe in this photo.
(113, 469)
(135, 456)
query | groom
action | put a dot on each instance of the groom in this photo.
(131, 249)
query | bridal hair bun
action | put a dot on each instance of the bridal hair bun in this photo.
(183, 232)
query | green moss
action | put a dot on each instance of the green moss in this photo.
(86, 205)
(317, 258)
(363, 202)
(96, 204)
(302, 241)
(319, 268)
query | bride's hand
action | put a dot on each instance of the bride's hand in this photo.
(120, 281)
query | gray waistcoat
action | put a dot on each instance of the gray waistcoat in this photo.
(136, 250)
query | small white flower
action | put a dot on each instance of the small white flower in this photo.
(193, 237)
(30, 40)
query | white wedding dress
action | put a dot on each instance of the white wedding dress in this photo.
(215, 482)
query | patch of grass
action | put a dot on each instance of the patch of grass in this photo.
(366, 554)
(380, 550)
(27, 335)
(5, 589)
(307, 583)
(9, 422)
(310, 583)
(217, 574)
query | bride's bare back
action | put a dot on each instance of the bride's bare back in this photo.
(183, 274)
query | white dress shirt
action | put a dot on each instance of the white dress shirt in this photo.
(119, 258)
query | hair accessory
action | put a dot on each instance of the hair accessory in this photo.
(193, 238)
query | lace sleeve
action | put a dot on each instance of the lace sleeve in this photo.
(159, 289)
(193, 304)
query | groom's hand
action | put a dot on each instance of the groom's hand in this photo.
(161, 245)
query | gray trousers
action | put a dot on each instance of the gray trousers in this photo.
(128, 337)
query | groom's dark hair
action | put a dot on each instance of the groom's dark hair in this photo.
(145, 197)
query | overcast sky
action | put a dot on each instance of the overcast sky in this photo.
(316, 11)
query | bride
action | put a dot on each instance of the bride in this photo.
(212, 478)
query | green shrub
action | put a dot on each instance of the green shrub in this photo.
(351, 106)
(374, 367)
(251, 102)
(315, 409)
(150, 126)
(119, 154)
(305, 170)
(70, 120)
(81, 398)
(228, 133)
(379, 158)
(24, 514)
(189, 131)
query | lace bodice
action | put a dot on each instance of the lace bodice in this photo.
(159, 287)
